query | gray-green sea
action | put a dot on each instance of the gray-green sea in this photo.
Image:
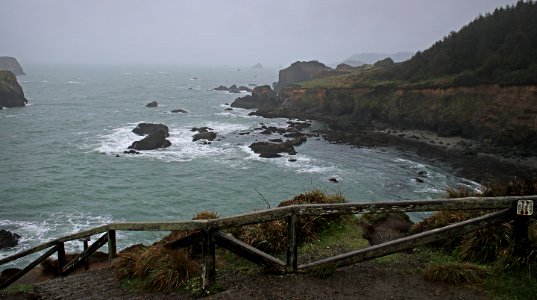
(61, 174)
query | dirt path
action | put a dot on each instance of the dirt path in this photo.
(386, 278)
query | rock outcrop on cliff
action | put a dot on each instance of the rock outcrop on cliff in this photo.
(8, 63)
(11, 94)
(299, 71)
(262, 96)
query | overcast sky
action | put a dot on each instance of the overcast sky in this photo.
(236, 32)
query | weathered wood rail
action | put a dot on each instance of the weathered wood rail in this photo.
(210, 234)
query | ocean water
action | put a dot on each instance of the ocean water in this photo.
(60, 173)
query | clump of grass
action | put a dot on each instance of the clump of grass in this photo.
(205, 215)
(158, 268)
(456, 273)
(489, 245)
(271, 236)
(324, 271)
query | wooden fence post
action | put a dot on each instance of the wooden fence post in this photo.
(61, 257)
(520, 235)
(208, 275)
(292, 262)
(112, 247)
(86, 245)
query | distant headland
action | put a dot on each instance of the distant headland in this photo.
(9, 63)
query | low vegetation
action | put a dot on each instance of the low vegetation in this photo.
(160, 267)
(482, 258)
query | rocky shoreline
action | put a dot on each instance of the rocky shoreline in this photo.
(466, 159)
(474, 160)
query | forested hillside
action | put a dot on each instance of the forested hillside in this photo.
(500, 47)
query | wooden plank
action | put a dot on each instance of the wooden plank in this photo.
(413, 241)
(49, 244)
(208, 275)
(227, 241)
(160, 226)
(192, 238)
(250, 218)
(410, 206)
(28, 252)
(292, 244)
(32, 265)
(112, 247)
(83, 234)
(85, 254)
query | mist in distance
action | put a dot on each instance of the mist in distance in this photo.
(218, 33)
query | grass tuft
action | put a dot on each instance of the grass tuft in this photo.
(157, 268)
(271, 236)
(456, 273)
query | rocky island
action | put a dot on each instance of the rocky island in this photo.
(11, 94)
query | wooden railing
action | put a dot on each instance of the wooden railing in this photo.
(210, 233)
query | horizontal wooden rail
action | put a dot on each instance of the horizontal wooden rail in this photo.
(210, 229)
(413, 241)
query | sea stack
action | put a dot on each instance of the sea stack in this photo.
(11, 94)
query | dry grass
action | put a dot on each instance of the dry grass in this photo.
(456, 273)
(158, 268)
(493, 244)
(271, 236)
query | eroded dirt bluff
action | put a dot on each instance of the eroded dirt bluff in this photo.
(490, 113)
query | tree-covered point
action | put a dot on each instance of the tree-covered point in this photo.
(500, 47)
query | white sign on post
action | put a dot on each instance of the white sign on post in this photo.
(524, 208)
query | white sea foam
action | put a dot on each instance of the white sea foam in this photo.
(33, 233)
(73, 82)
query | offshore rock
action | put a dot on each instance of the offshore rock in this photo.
(152, 104)
(11, 94)
(149, 128)
(8, 239)
(272, 150)
(153, 141)
(182, 111)
(234, 89)
(8, 63)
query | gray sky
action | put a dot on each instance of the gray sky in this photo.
(235, 32)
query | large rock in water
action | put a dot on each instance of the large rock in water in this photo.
(152, 104)
(8, 63)
(299, 71)
(262, 96)
(8, 239)
(153, 141)
(272, 150)
(11, 94)
(149, 128)
(156, 136)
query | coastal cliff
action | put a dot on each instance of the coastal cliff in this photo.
(488, 113)
(8, 63)
(11, 93)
